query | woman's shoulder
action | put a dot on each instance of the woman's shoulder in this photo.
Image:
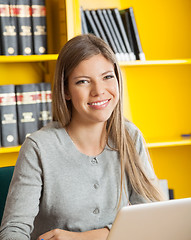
(51, 131)
(132, 129)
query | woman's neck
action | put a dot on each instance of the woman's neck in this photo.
(89, 140)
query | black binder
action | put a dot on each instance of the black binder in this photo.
(8, 27)
(83, 22)
(135, 35)
(26, 95)
(39, 26)
(24, 27)
(99, 27)
(107, 32)
(120, 25)
(126, 22)
(120, 56)
(91, 24)
(8, 116)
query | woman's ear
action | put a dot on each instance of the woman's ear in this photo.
(67, 95)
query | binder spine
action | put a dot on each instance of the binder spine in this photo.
(98, 24)
(39, 26)
(92, 26)
(120, 55)
(8, 116)
(8, 29)
(107, 32)
(24, 27)
(135, 34)
(117, 33)
(83, 21)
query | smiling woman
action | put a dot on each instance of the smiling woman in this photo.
(73, 175)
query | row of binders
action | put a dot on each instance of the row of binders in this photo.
(24, 109)
(116, 27)
(23, 27)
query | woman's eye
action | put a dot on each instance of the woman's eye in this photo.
(109, 76)
(82, 82)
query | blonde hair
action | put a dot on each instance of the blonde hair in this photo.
(81, 48)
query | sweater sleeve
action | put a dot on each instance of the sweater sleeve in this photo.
(23, 198)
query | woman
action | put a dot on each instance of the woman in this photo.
(73, 175)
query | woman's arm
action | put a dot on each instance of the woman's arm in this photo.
(98, 234)
(22, 203)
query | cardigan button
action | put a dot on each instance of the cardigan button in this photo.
(96, 211)
(96, 185)
(94, 161)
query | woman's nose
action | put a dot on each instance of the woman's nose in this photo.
(97, 89)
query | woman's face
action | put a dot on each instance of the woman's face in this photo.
(93, 90)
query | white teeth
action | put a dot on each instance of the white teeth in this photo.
(99, 103)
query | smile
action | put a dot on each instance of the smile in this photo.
(99, 103)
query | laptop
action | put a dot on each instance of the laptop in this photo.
(166, 220)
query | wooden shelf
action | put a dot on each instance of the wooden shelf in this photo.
(169, 143)
(31, 58)
(156, 62)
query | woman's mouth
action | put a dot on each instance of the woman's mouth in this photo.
(99, 104)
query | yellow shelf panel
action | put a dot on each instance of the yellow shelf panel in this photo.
(156, 62)
(173, 164)
(10, 149)
(169, 143)
(30, 58)
(158, 99)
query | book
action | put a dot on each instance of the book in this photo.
(24, 23)
(135, 35)
(39, 27)
(107, 32)
(171, 193)
(26, 95)
(8, 116)
(44, 104)
(90, 23)
(117, 17)
(121, 56)
(8, 27)
(83, 22)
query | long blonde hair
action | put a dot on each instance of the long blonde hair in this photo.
(81, 48)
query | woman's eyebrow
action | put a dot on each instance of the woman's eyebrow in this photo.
(110, 71)
(84, 76)
(81, 76)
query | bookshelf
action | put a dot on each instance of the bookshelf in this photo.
(156, 92)
(30, 69)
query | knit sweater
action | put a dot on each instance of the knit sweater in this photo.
(56, 186)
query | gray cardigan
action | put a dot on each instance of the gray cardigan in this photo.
(56, 186)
